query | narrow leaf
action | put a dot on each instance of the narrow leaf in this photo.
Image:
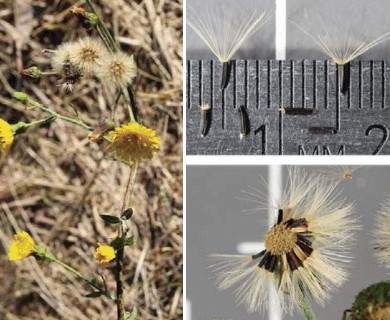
(110, 219)
(93, 294)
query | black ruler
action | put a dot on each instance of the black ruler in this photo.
(355, 123)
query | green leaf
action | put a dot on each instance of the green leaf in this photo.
(119, 243)
(110, 219)
(128, 242)
(116, 243)
(93, 294)
(133, 314)
(128, 213)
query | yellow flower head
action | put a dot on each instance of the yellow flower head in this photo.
(133, 142)
(22, 246)
(104, 254)
(6, 137)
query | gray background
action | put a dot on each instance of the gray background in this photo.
(367, 18)
(216, 223)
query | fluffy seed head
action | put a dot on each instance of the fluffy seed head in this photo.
(133, 142)
(61, 56)
(118, 70)
(6, 137)
(87, 55)
(305, 250)
(21, 247)
(382, 234)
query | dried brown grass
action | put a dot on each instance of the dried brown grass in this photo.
(55, 183)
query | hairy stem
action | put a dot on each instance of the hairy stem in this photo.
(79, 275)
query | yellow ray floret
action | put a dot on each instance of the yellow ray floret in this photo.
(133, 142)
(6, 137)
(104, 254)
(22, 246)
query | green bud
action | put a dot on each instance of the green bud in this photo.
(20, 127)
(33, 72)
(371, 303)
(41, 252)
(21, 96)
(93, 19)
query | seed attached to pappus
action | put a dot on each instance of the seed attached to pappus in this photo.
(226, 66)
(244, 122)
(339, 43)
(205, 120)
(224, 31)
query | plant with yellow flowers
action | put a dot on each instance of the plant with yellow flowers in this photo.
(131, 143)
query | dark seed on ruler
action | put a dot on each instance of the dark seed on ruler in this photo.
(225, 74)
(264, 260)
(259, 255)
(297, 111)
(205, 120)
(244, 122)
(280, 216)
(344, 77)
(319, 130)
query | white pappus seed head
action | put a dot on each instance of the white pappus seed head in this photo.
(88, 54)
(306, 249)
(61, 56)
(382, 234)
(118, 70)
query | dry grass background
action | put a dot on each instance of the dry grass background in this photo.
(55, 182)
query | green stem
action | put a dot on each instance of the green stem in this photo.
(120, 253)
(306, 307)
(39, 122)
(78, 274)
(78, 122)
(104, 27)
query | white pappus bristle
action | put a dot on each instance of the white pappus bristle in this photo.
(224, 32)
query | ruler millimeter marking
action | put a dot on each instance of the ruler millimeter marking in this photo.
(355, 123)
